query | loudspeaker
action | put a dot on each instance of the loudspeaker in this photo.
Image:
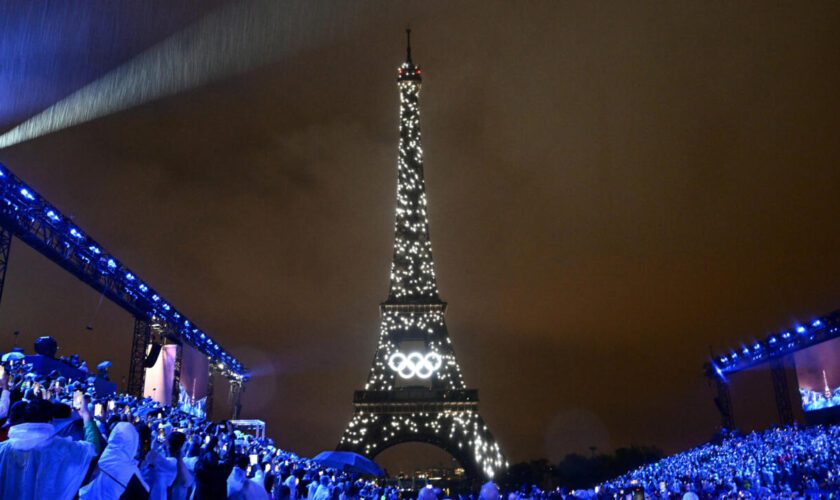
(152, 357)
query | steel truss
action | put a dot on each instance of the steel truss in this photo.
(724, 404)
(779, 344)
(176, 379)
(781, 389)
(5, 246)
(139, 344)
(28, 216)
(234, 399)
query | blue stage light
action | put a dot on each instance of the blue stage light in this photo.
(785, 335)
(772, 340)
(155, 297)
(53, 216)
(143, 288)
(129, 277)
(746, 350)
(816, 323)
(75, 233)
(756, 347)
(95, 249)
(112, 264)
(26, 194)
(800, 329)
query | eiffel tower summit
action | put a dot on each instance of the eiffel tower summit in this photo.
(415, 391)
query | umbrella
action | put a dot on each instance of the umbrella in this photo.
(12, 356)
(348, 461)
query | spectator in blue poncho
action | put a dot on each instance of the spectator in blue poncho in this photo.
(35, 463)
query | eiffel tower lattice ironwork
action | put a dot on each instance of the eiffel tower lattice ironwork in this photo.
(415, 391)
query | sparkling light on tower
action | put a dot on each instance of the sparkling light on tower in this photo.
(415, 391)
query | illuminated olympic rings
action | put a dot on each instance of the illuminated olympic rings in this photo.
(415, 364)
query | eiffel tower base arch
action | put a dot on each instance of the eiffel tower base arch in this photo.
(448, 419)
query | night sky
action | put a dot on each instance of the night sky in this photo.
(614, 188)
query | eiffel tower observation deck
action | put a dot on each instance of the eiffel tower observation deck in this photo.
(415, 391)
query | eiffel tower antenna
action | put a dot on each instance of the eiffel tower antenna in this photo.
(415, 390)
(408, 46)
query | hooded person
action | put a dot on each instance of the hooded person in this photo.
(35, 463)
(322, 492)
(184, 479)
(117, 469)
(427, 493)
(5, 396)
(159, 472)
(291, 482)
(211, 473)
(239, 487)
(312, 485)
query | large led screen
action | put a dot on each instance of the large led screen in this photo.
(192, 397)
(818, 371)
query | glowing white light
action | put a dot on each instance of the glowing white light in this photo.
(415, 364)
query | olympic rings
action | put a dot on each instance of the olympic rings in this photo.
(415, 364)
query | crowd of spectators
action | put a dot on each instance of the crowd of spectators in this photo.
(61, 439)
(786, 462)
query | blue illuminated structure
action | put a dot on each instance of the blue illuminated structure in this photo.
(28, 216)
(776, 345)
(774, 349)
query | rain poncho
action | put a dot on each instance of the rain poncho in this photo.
(5, 396)
(292, 482)
(239, 487)
(322, 492)
(116, 465)
(183, 481)
(35, 464)
(159, 472)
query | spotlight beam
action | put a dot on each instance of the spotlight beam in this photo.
(230, 40)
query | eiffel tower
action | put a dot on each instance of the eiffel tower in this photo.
(415, 391)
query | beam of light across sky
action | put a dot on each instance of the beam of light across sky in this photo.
(230, 40)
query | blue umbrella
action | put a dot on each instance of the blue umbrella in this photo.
(12, 356)
(347, 461)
